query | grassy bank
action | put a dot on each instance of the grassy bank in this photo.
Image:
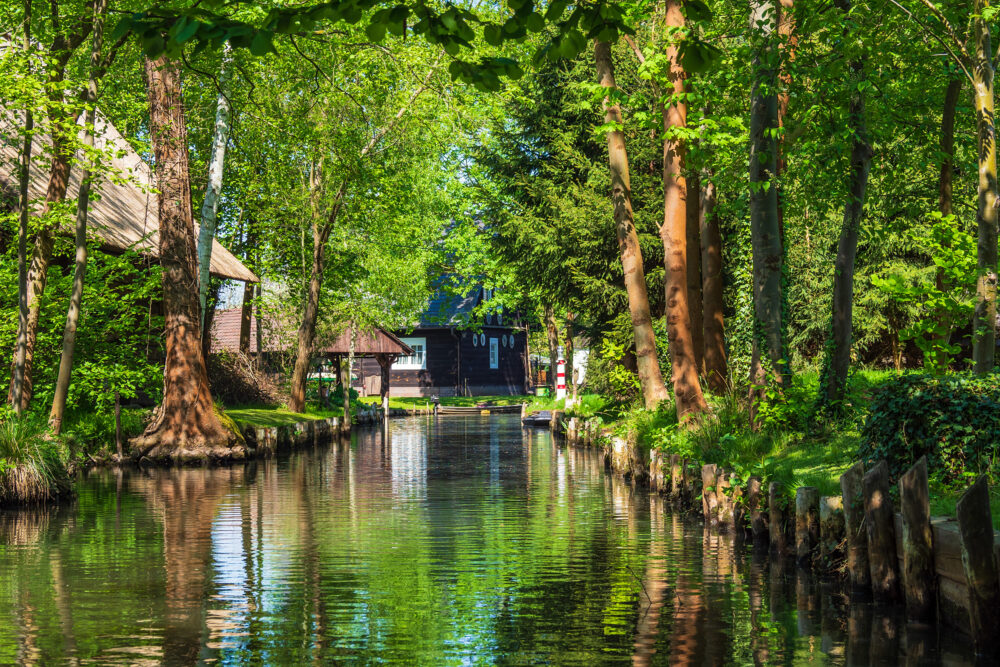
(793, 446)
(33, 469)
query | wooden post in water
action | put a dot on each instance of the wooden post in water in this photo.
(831, 530)
(776, 522)
(806, 523)
(709, 499)
(919, 575)
(724, 498)
(736, 509)
(676, 477)
(755, 500)
(880, 520)
(975, 527)
(858, 573)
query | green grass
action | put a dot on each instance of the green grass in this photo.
(274, 416)
(32, 466)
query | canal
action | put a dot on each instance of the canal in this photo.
(459, 540)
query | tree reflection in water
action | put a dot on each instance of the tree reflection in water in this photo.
(459, 540)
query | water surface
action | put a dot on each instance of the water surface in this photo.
(463, 540)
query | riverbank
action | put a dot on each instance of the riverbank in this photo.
(932, 565)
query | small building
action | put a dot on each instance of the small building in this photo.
(456, 353)
(379, 347)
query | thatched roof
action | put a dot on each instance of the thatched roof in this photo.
(125, 215)
(275, 338)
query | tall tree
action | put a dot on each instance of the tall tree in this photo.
(82, 204)
(650, 377)
(24, 182)
(185, 426)
(716, 366)
(675, 230)
(66, 40)
(984, 319)
(765, 231)
(835, 373)
(216, 167)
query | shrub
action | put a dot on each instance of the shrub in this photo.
(954, 420)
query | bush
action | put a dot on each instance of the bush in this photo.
(954, 420)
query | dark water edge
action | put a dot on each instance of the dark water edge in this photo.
(459, 540)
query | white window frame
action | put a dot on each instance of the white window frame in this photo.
(416, 362)
(494, 353)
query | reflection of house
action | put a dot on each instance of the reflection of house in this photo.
(456, 353)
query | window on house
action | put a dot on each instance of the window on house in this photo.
(494, 353)
(417, 360)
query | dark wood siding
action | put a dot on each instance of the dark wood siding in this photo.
(442, 375)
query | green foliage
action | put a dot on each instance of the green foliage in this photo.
(954, 420)
(90, 435)
(943, 294)
(32, 467)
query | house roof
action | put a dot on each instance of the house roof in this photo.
(126, 214)
(449, 310)
(226, 327)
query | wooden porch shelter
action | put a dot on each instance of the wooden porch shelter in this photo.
(274, 337)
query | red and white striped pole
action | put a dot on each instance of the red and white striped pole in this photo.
(560, 377)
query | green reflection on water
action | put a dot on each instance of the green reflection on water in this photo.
(458, 541)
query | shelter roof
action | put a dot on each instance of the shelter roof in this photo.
(126, 214)
(276, 338)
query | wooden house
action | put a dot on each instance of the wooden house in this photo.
(456, 353)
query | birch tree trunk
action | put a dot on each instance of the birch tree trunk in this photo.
(650, 378)
(216, 169)
(984, 318)
(82, 204)
(716, 365)
(185, 427)
(674, 234)
(765, 231)
(847, 246)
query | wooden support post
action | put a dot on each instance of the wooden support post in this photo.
(806, 523)
(858, 572)
(975, 527)
(755, 501)
(831, 530)
(737, 518)
(709, 500)
(880, 520)
(676, 477)
(919, 575)
(776, 521)
(723, 494)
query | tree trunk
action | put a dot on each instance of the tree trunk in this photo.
(24, 180)
(847, 246)
(765, 232)
(716, 368)
(208, 317)
(570, 353)
(674, 234)
(245, 314)
(694, 270)
(307, 329)
(650, 378)
(552, 335)
(948, 145)
(216, 167)
(186, 426)
(789, 40)
(82, 203)
(984, 318)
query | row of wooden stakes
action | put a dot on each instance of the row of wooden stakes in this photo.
(941, 568)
